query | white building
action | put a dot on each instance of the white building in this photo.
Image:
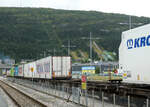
(9, 61)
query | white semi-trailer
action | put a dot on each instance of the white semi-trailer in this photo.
(134, 55)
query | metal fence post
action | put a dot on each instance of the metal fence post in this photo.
(93, 97)
(47, 87)
(114, 99)
(63, 91)
(128, 101)
(86, 99)
(52, 89)
(79, 95)
(67, 92)
(147, 102)
(58, 90)
(102, 99)
(73, 94)
(55, 89)
(81, 92)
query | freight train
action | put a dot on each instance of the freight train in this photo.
(52, 67)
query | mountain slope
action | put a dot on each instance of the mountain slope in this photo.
(30, 33)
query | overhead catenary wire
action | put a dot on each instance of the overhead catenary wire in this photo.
(90, 38)
(69, 46)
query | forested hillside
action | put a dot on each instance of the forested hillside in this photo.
(31, 33)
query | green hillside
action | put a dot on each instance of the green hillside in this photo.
(25, 33)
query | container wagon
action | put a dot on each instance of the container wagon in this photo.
(134, 55)
(52, 67)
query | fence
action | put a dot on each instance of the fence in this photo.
(82, 97)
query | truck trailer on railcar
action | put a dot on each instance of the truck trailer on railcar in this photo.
(52, 67)
(134, 55)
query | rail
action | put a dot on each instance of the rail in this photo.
(20, 99)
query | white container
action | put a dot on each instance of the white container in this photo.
(44, 67)
(8, 72)
(20, 70)
(32, 71)
(134, 55)
(26, 70)
(61, 66)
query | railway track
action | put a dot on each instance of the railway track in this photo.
(20, 98)
(67, 100)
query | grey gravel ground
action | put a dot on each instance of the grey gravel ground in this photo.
(48, 100)
(5, 101)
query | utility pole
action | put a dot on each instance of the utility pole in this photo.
(49, 51)
(91, 46)
(91, 40)
(130, 23)
(69, 46)
(56, 51)
(44, 54)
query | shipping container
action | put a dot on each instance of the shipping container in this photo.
(44, 67)
(61, 67)
(8, 72)
(30, 70)
(21, 70)
(12, 71)
(26, 70)
(16, 71)
(134, 56)
(34, 70)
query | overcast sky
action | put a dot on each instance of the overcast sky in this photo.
(131, 7)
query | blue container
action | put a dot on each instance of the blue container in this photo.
(16, 71)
